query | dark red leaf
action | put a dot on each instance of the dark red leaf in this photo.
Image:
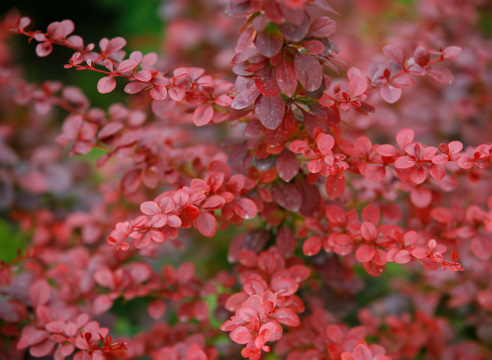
(268, 44)
(322, 27)
(309, 71)
(266, 81)
(286, 241)
(441, 74)
(286, 75)
(245, 98)
(270, 110)
(287, 165)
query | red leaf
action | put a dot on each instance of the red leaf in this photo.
(402, 257)
(418, 174)
(106, 84)
(368, 231)
(404, 162)
(214, 202)
(245, 208)
(375, 173)
(206, 224)
(365, 253)
(270, 110)
(437, 171)
(287, 165)
(442, 215)
(441, 74)
(421, 56)
(286, 316)
(335, 186)
(309, 71)
(312, 245)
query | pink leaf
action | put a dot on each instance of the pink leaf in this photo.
(357, 86)
(394, 53)
(390, 94)
(421, 197)
(126, 65)
(39, 293)
(241, 335)
(203, 115)
(481, 246)
(115, 45)
(362, 352)
(451, 52)
(102, 303)
(106, 84)
(44, 49)
(156, 309)
(404, 137)
(441, 74)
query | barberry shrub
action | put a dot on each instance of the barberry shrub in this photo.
(304, 194)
